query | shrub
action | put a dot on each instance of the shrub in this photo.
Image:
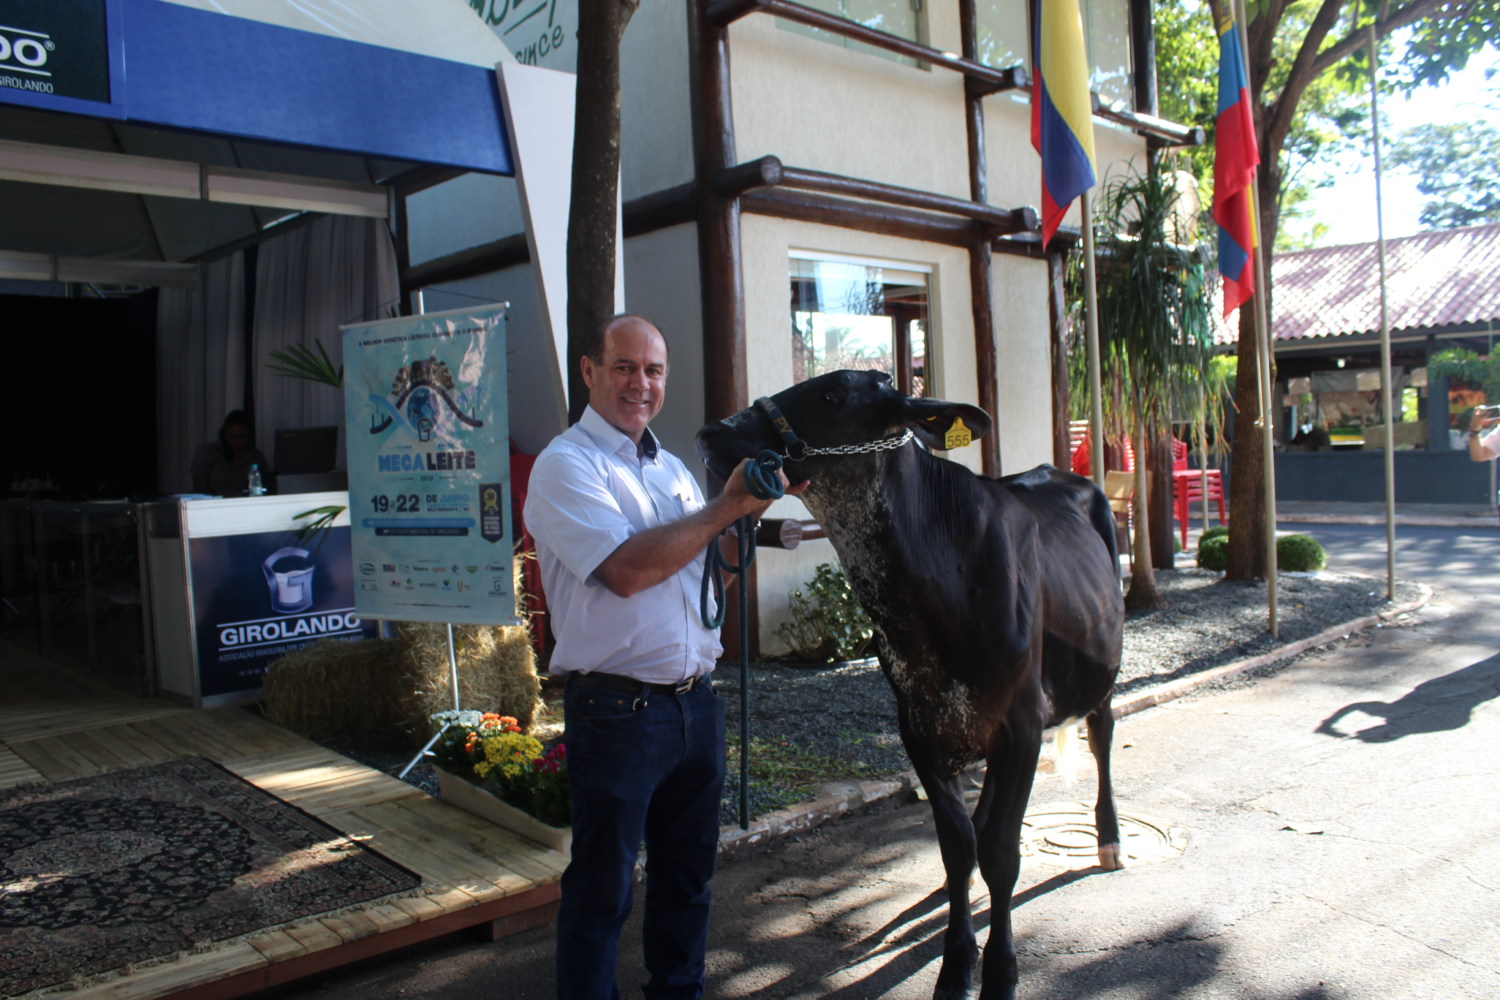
(1217, 531)
(827, 622)
(1299, 554)
(1213, 553)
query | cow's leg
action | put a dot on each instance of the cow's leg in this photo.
(1101, 722)
(955, 833)
(997, 821)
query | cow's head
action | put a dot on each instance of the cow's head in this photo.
(844, 408)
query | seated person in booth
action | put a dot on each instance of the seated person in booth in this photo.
(222, 467)
(1311, 436)
(1484, 442)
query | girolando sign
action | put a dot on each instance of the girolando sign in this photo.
(258, 597)
(429, 467)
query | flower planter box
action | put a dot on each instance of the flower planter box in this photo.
(473, 799)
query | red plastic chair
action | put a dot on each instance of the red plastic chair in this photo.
(1080, 460)
(1187, 488)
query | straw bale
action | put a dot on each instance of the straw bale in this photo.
(337, 687)
(392, 686)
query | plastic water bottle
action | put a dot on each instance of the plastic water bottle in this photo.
(256, 487)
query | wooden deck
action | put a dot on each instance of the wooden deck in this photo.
(54, 726)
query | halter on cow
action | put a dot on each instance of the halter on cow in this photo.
(997, 610)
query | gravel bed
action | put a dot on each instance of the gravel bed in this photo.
(839, 721)
(847, 712)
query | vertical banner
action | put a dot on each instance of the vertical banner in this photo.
(429, 467)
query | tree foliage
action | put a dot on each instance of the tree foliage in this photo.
(1455, 167)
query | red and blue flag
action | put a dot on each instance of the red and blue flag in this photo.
(1235, 159)
(1062, 123)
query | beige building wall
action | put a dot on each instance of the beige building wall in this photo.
(823, 107)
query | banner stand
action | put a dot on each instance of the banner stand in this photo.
(453, 676)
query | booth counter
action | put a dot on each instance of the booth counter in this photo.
(232, 585)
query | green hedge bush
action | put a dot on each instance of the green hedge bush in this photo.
(1294, 553)
(1299, 554)
(1213, 552)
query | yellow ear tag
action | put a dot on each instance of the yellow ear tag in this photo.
(958, 435)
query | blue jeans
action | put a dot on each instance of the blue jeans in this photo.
(647, 768)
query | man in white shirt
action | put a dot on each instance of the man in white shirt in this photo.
(621, 529)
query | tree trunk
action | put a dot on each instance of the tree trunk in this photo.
(1246, 555)
(1142, 595)
(596, 182)
(1159, 501)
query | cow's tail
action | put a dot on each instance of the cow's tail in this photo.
(1065, 751)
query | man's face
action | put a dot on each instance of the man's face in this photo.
(629, 386)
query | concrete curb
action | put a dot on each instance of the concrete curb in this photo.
(837, 799)
(1486, 522)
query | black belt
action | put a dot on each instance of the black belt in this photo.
(618, 682)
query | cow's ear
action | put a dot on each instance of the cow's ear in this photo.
(943, 425)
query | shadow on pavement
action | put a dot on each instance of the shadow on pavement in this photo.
(1438, 705)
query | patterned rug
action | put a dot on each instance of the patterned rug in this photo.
(101, 872)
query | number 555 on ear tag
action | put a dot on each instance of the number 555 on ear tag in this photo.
(958, 435)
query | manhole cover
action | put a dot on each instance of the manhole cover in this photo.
(1062, 833)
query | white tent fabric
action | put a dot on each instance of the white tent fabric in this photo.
(200, 365)
(309, 281)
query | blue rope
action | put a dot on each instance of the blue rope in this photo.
(764, 484)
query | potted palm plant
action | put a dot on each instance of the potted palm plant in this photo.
(1155, 333)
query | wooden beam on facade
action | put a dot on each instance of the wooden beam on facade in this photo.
(999, 221)
(993, 81)
(861, 215)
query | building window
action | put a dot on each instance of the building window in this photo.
(862, 314)
(902, 18)
(1004, 29)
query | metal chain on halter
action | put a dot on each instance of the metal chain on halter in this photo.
(884, 444)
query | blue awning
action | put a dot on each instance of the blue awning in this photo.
(341, 81)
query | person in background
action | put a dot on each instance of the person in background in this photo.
(222, 467)
(1311, 436)
(1484, 443)
(621, 529)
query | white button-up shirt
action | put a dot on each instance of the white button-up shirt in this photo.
(589, 492)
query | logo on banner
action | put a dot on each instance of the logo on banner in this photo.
(54, 49)
(491, 518)
(421, 402)
(289, 574)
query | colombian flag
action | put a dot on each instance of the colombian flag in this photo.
(1235, 159)
(1062, 124)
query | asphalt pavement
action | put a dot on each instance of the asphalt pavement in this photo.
(1328, 832)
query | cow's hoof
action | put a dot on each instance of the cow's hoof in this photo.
(958, 993)
(1110, 858)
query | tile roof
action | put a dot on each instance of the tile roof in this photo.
(1437, 280)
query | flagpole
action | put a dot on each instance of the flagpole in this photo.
(1091, 340)
(1263, 369)
(1385, 335)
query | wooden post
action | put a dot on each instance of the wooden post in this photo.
(981, 289)
(719, 265)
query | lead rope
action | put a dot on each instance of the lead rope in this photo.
(764, 484)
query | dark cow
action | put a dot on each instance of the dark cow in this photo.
(997, 610)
